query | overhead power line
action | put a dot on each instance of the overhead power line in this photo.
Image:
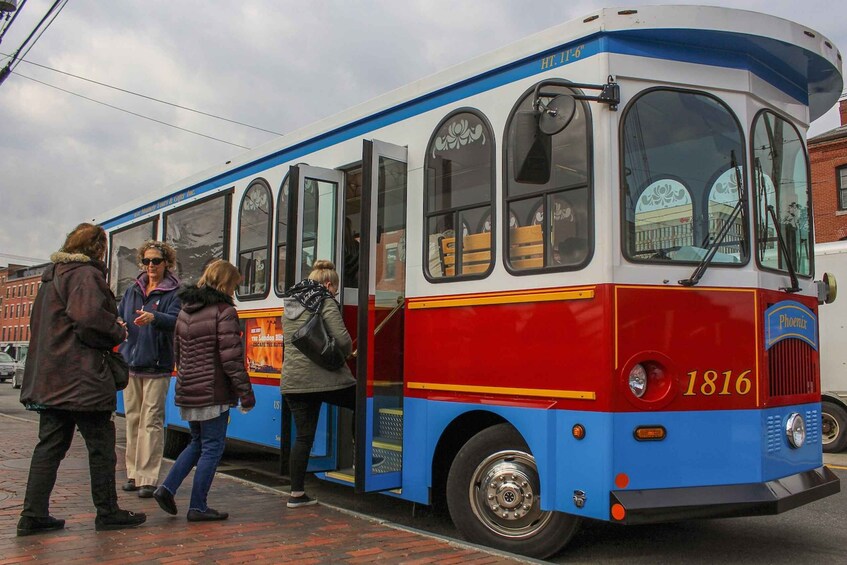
(22, 258)
(146, 97)
(132, 113)
(5, 71)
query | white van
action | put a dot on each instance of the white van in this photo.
(832, 258)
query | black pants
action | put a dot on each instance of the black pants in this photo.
(306, 409)
(55, 433)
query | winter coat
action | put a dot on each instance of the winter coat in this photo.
(208, 350)
(74, 321)
(151, 346)
(299, 373)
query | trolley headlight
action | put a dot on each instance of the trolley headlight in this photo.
(638, 380)
(795, 429)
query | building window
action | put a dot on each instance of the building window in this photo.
(841, 181)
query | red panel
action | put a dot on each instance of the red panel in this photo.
(562, 345)
(707, 342)
(707, 338)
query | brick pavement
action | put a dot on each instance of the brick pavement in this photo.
(260, 528)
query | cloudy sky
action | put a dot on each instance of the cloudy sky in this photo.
(275, 64)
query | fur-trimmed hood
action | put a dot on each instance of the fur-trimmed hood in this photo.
(62, 257)
(65, 262)
(195, 297)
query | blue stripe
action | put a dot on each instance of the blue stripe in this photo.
(773, 61)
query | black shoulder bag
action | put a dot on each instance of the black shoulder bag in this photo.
(118, 367)
(314, 341)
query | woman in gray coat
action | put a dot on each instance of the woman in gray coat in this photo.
(305, 385)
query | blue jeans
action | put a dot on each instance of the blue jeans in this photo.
(208, 439)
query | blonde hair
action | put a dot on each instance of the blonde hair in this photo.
(220, 275)
(168, 252)
(323, 271)
(88, 239)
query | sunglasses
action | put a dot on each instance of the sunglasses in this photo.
(155, 260)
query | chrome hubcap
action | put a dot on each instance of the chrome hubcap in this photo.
(504, 495)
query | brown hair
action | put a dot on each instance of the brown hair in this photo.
(168, 252)
(221, 275)
(88, 239)
(323, 271)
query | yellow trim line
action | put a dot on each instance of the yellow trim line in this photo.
(519, 297)
(546, 393)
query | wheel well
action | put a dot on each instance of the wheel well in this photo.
(834, 398)
(454, 437)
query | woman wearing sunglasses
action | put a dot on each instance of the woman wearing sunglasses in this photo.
(150, 307)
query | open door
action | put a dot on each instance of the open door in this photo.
(315, 212)
(381, 306)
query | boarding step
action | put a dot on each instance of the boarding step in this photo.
(387, 454)
(390, 423)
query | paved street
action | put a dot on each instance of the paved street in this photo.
(260, 528)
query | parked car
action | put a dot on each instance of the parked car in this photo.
(20, 363)
(7, 367)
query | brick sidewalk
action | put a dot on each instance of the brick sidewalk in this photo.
(260, 528)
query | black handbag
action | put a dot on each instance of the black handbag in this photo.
(117, 367)
(314, 341)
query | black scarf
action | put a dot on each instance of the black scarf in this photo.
(311, 294)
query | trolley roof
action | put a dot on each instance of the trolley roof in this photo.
(793, 58)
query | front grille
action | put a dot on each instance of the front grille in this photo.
(791, 369)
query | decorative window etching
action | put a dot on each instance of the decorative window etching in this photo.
(459, 133)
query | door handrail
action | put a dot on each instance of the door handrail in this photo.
(401, 300)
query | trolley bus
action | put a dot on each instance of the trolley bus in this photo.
(584, 281)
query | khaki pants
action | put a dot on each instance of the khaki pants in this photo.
(144, 401)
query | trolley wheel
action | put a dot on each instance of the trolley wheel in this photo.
(175, 442)
(833, 427)
(494, 497)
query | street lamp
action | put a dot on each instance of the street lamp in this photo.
(8, 6)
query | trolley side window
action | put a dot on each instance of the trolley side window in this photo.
(198, 232)
(254, 235)
(548, 188)
(281, 234)
(682, 178)
(781, 178)
(459, 180)
(123, 254)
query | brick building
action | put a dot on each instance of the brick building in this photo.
(828, 160)
(17, 292)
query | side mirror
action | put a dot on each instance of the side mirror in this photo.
(533, 150)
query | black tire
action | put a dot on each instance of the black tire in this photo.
(175, 442)
(833, 427)
(498, 456)
(3, 380)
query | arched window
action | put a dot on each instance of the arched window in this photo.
(459, 181)
(254, 233)
(682, 164)
(547, 188)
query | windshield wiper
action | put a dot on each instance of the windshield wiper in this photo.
(795, 287)
(700, 270)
